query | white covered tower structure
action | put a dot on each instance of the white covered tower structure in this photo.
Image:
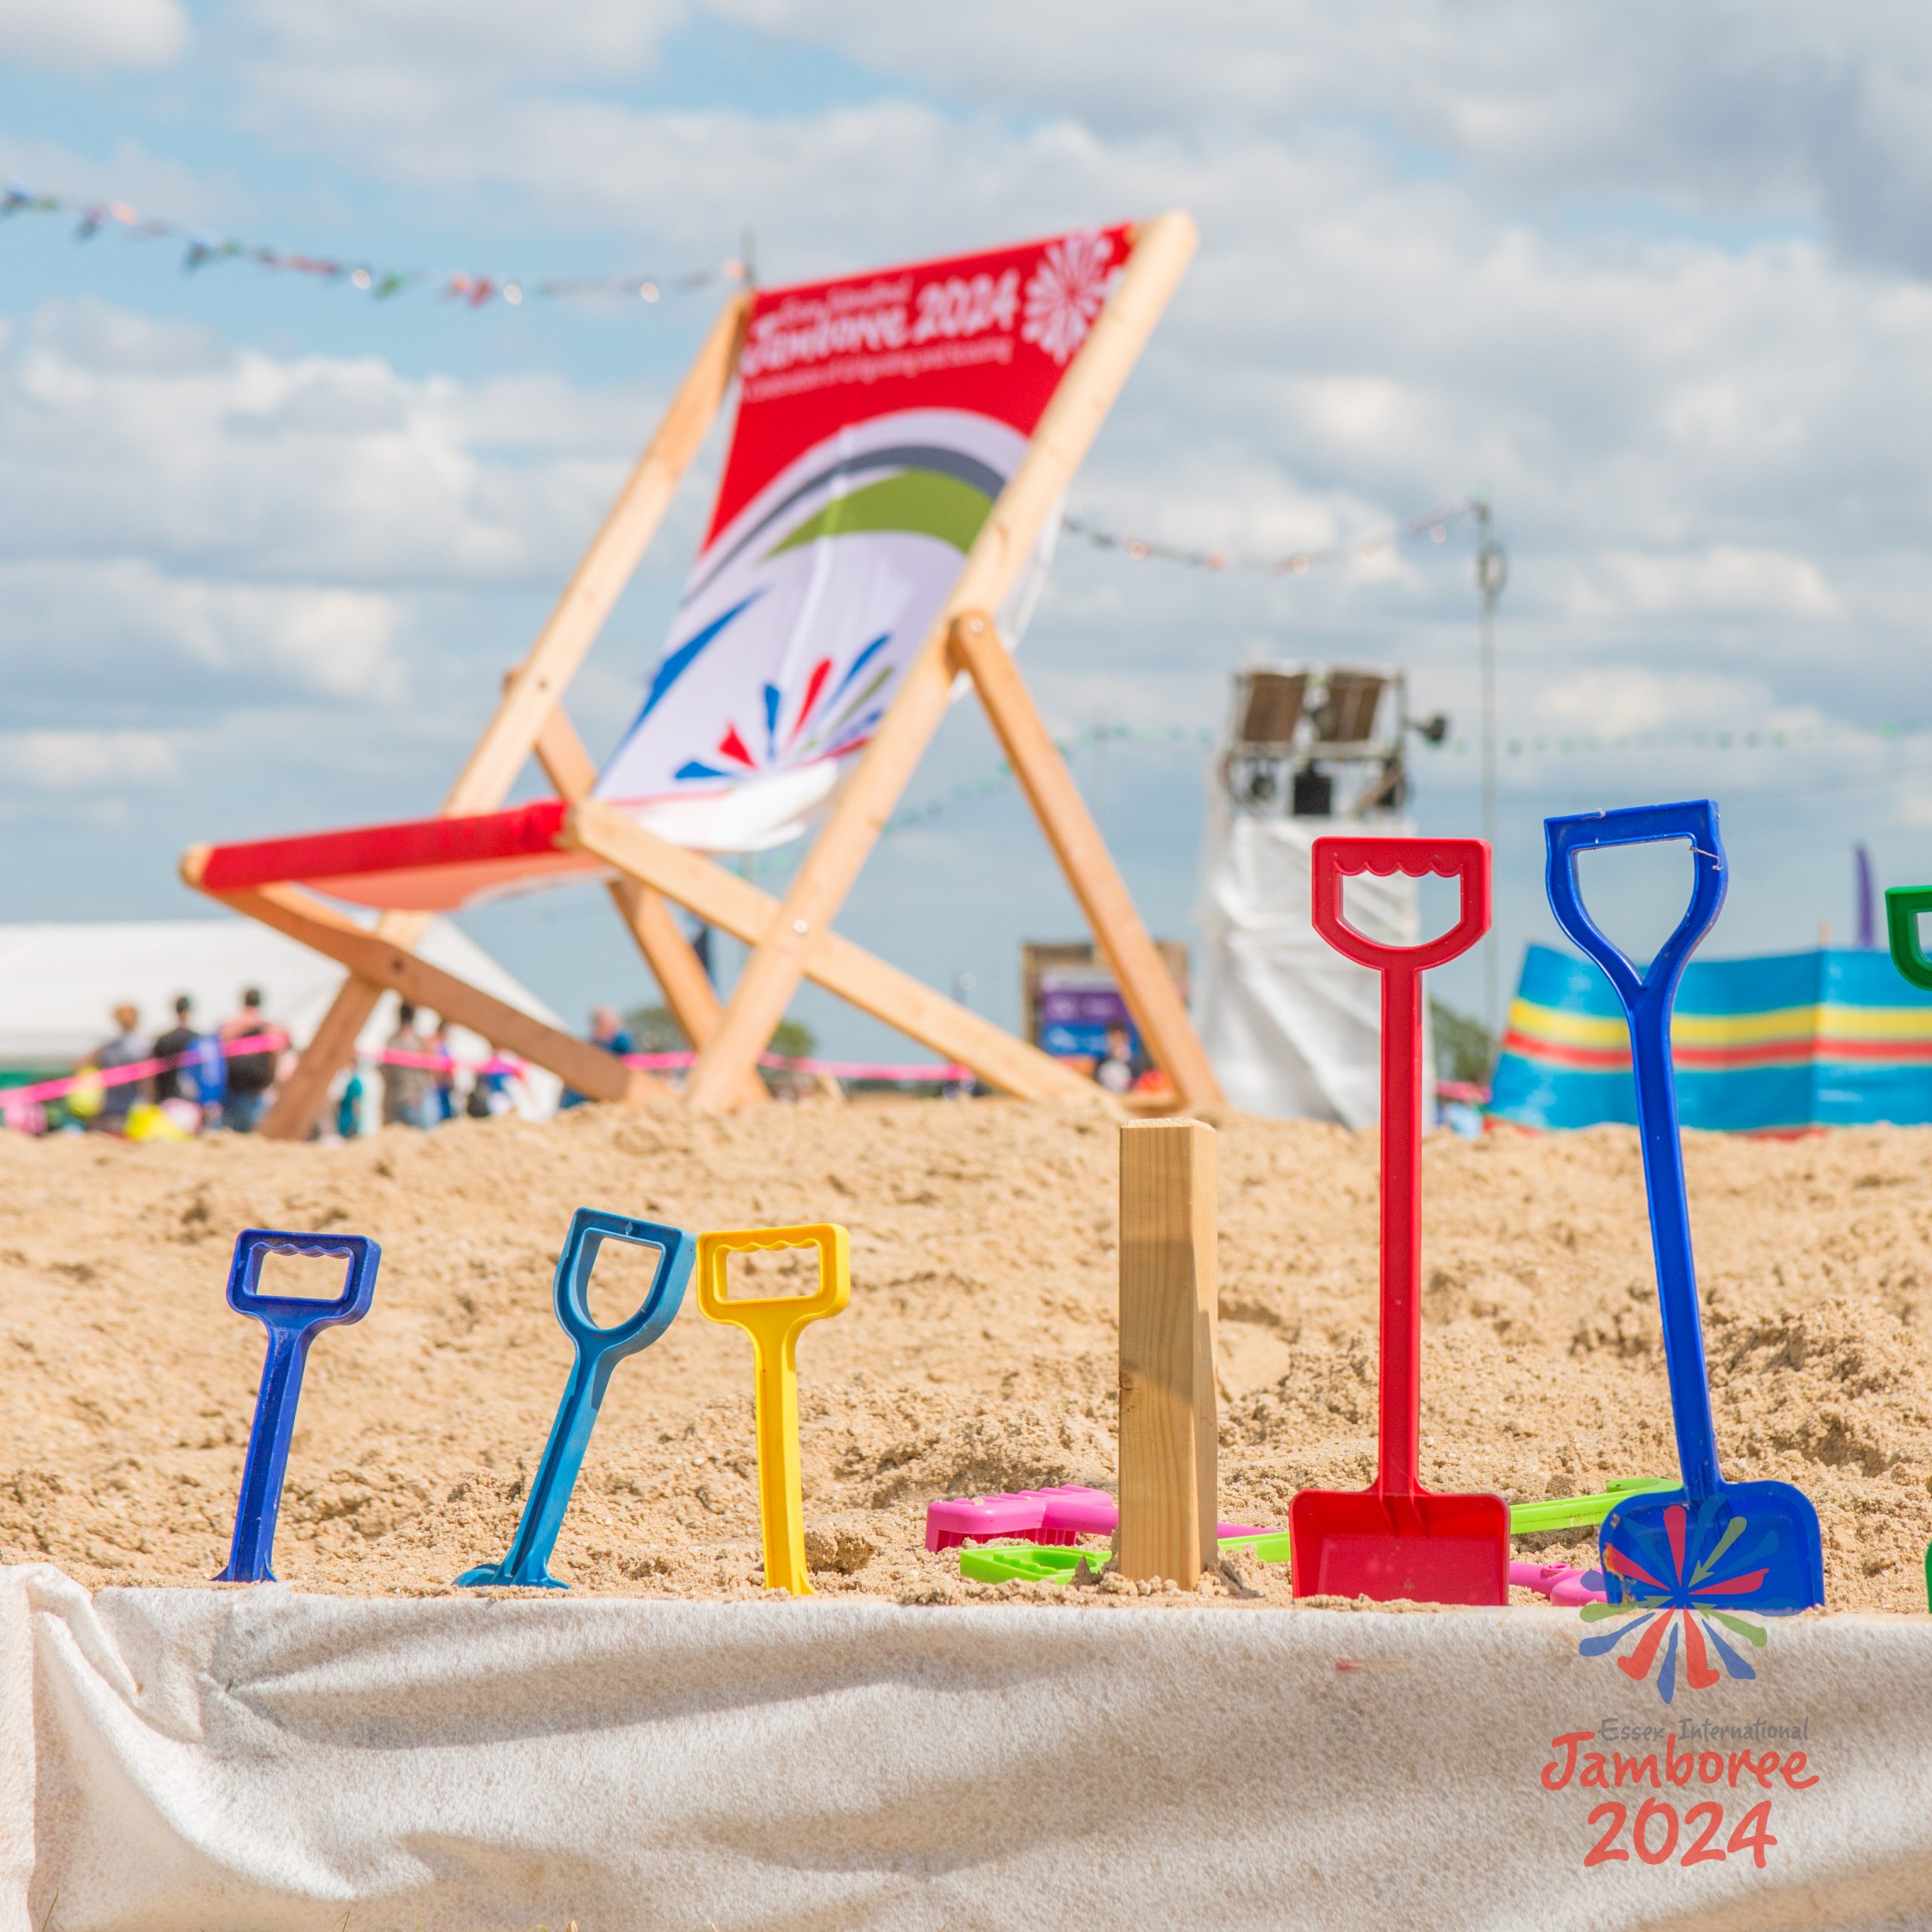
(1293, 1029)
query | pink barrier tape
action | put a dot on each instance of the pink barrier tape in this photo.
(14, 1097)
(921, 1072)
(1463, 1090)
(859, 1069)
(442, 1063)
(136, 1069)
(11, 1097)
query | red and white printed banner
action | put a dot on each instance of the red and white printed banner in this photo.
(879, 418)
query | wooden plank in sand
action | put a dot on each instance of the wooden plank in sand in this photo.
(1169, 1420)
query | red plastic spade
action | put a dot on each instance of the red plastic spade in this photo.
(1395, 1539)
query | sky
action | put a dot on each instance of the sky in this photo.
(1652, 279)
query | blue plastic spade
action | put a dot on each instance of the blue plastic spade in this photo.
(598, 1351)
(1711, 1545)
(293, 1322)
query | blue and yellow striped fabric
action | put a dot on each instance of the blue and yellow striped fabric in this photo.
(1829, 1038)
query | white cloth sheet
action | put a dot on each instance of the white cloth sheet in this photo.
(250, 1759)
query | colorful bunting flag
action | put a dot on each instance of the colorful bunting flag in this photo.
(474, 290)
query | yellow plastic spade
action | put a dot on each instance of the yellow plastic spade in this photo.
(772, 1322)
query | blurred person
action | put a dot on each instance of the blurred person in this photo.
(175, 1082)
(126, 1047)
(409, 1087)
(250, 1074)
(207, 1073)
(443, 1094)
(348, 1108)
(1115, 1070)
(490, 1093)
(606, 1030)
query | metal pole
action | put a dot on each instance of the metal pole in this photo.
(1492, 572)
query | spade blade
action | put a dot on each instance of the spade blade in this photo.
(1424, 1548)
(1749, 1546)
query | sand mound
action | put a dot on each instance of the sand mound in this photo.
(978, 1352)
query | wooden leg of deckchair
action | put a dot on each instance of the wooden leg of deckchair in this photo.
(532, 692)
(300, 1097)
(378, 962)
(738, 906)
(674, 963)
(1145, 982)
(1006, 543)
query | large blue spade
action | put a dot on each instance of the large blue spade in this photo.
(1713, 1546)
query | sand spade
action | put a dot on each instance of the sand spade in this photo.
(598, 1351)
(772, 1322)
(1903, 904)
(1710, 1546)
(1395, 1539)
(293, 1322)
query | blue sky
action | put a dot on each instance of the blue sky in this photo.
(1655, 281)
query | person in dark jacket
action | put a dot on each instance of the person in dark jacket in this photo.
(250, 1072)
(177, 1082)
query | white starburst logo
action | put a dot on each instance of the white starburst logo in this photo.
(1066, 293)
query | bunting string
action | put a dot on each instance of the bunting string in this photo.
(1433, 524)
(1845, 737)
(201, 249)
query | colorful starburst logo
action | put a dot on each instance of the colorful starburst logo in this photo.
(1066, 293)
(1680, 1617)
(840, 716)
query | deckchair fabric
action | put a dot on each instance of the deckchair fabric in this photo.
(426, 865)
(1832, 1038)
(879, 417)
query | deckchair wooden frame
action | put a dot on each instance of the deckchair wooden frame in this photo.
(790, 939)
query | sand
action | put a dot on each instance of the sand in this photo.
(978, 1352)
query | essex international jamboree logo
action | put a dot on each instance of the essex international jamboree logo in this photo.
(1680, 1618)
(1698, 1792)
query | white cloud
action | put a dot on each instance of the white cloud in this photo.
(290, 639)
(86, 36)
(413, 40)
(81, 760)
(1912, 805)
(1612, 703)
(121, 436)
(1747, 109)
(1728, 579)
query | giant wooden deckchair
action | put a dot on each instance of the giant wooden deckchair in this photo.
(935, 413)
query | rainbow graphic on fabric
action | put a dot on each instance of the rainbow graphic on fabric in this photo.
(1680, 1590)
(1829, 1038)
(920, 486)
